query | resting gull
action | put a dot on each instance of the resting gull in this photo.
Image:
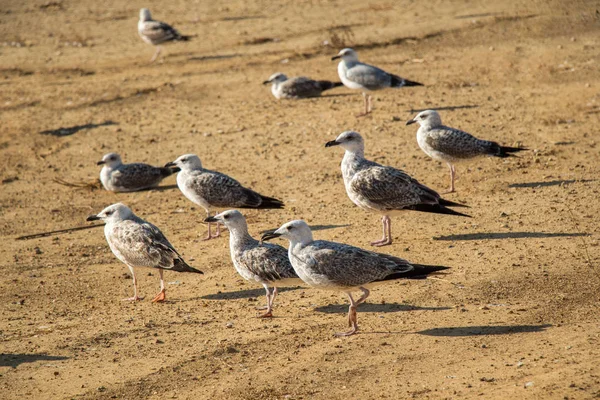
(451, 145)
(265, 263)
(212, 189)
(297, 88)
(383, 189)
(118, 177)
(365, 77)
(156, 32)
(341, 267)
(138, 243)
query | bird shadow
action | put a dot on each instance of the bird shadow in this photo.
(338, 94)
(375, 307)
(14, 360)
(509, 235)
(483, 330)
(312, 227)
(447, 108)
(163, 188)
(558, 182)
(244, 294)
(215, 57)
(74, 129)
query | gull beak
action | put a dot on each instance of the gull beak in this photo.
(101, 162)
(170, 164)
(270, 235)
(211, 219)
(332, 143)
(266, 82)
(93, 218)
(412, 121)
(335, 57)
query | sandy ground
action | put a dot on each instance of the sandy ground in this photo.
(517, 316)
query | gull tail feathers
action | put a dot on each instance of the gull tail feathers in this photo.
(181, 266)
(398, 82)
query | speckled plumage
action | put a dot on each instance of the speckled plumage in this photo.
(298, 88)
(118, 177)
(156, 32)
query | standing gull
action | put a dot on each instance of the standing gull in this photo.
(341, 267)
(118, 177)
(451, 145)
(265, 263)
(383, 189)
(138, 243)
(297, 88)
(365, 77)
(156, 32)
(212, 189)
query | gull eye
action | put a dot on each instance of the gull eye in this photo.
(225, 216)
(108, 213)
(290, 228)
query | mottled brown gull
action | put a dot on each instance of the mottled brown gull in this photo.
(383, 189)
(341, 267)
(451, 145)
(264, 263)
(138, 243)
(365, 77)
(297, 88)
(212, 189)
(118, 177)
(156, 32)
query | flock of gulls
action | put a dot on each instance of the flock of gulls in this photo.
(320, 264)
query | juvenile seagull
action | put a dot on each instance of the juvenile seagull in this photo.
(383, 189)
(212, 189)
(341, 267)
(451, 145)
(365, 77)
(138, 243)
(156, 32)
(297, 88)
(265, 263)
(118, 177)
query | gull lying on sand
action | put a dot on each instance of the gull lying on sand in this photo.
(156, 32)
(383, 189)
(118, 177)
(138, 243)
(265, 263)
(451, 145)
(365, 77)
(297, 88)
(341, 267)
(212, 189)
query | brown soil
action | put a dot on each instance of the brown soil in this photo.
(517, 316)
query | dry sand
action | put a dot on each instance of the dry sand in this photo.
(517, 316)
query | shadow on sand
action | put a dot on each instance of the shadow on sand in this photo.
(447, 108)
(483, 330)
(374, 307)
(74, 129)
(14, 360)
(558, 182)
(244, 294)
(509, 235)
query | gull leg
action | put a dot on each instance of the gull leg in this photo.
(135, 295)
(208, 234)
(365, 105)
(369, 103)
(352, 317)
(161, 296)
(218, 233)
(270, 297)
(155, 56)
(387, 232)
(452, 176)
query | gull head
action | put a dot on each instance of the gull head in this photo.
(232, 219)
(145, 15)
(276, 78)
(296, 231)
(349, 140)
(112, 213)
(111, 160)
(186, 162)
(427, 118)
(346, 55)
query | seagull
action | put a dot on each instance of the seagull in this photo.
(212, 189)
(118, 177)
(297, 88)
(156, 32)
(138, 243)
(341, 267)
(265, 263)
(365, 77)
(451, 145)
(383, 189)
